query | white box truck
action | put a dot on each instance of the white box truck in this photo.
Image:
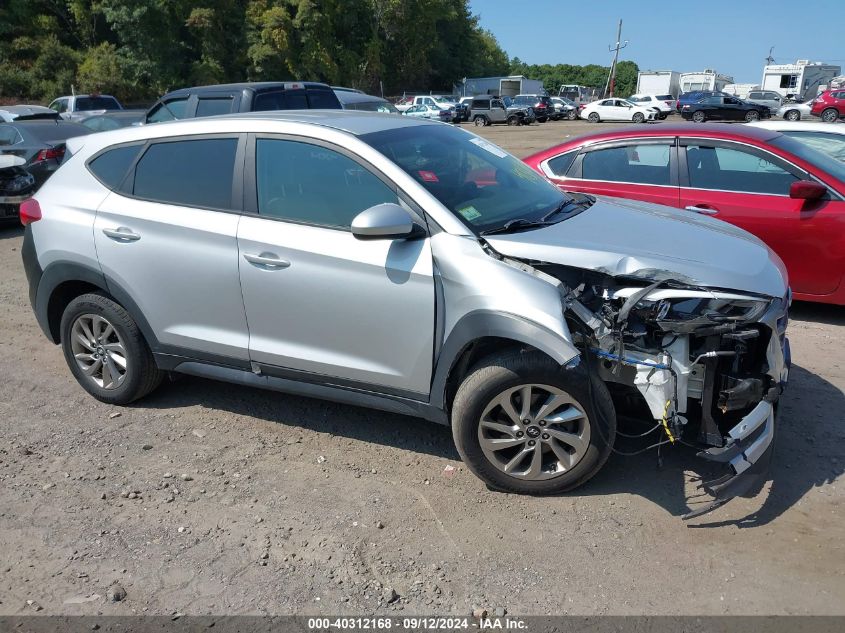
(799, 81)
(658, 82)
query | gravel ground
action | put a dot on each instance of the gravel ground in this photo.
(210, 498)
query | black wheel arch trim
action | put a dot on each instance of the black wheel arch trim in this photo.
(482, 324)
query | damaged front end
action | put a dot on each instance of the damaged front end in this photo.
(708, 363)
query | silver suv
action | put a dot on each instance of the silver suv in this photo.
(413, 267)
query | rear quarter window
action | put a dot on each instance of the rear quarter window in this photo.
(110, 167)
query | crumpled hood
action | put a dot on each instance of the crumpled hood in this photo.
(640, 239)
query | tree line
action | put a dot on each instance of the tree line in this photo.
(140, 49)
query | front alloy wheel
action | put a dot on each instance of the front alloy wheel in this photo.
(534, 432)
(99, 351)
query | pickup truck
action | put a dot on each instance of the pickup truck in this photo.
(437, 101)
(78, 107)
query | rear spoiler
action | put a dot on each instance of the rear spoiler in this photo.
(73, 145)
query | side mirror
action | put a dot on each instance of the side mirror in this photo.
(807, 190)
(387, 221)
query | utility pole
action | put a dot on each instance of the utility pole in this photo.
(770, 60)
(611, 78)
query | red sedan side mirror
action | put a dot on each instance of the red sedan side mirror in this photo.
(807, 190)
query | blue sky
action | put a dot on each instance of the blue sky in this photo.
(684, 35)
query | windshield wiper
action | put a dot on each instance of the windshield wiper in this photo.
(569, 205)
(518, 223)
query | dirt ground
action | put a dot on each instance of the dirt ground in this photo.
(207, 498)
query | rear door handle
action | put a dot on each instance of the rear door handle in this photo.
(270, 260)
(702, 210)
(122, 234)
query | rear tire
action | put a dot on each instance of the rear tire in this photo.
(751, 116)
(106, 352)
(594, 117)
(573, 440)
(831, 115)
(699, 116)
(480, 121)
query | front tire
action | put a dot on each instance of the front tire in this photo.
(638, 117)
(792, 115)
(831, 115)
(513, 120)
(106, 352)
(572, 115)
(523, 424)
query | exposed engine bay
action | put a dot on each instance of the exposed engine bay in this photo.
(709, 364)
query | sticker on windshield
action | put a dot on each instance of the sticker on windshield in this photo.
(489, 147)
(470, 213)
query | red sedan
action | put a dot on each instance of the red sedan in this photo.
(789, 195)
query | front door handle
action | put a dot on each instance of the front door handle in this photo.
(270, 260)
(122, 234)
(702, 210)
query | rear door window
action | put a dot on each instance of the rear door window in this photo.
(645, 164)
(9, 135)
(111, 166)
(195, 173)
(215, 106)
(559, 165)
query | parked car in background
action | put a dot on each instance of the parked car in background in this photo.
(724, 109)
(77, 107)
(357, 100)
(16, 185)
(413, 267)
(113, 120)
(526, 114)
(617, 110)
(200, 101)
(542, 105)
(793, 111)
(663, 104)
(769, 98)
(462, 109)
(26, 113)
(431, 112)
(694, 96)
(829, 106)
(40, 143)
(780, 189)
(829, 139)
(429, 100)
(487, 109)
(564, 108)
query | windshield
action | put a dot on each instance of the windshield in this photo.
(441, 100)
(831, 143)
(481, 184)
(817, 159)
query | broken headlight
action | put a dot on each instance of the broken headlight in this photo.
(691, 313)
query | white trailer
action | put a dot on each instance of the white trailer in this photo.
(799, 81)
(659, 82)
(704, 80)
(500, 86)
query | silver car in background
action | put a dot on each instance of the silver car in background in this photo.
(414, 267)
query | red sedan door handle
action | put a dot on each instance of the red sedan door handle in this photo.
(702, 210)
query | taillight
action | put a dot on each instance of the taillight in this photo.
(47, 154)
(30, 211)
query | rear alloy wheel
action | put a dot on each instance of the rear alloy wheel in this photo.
(594, 117)
(106, 351)
(752, 115)
(699, 116)
(792, 115)
(479, 121)
(831, 115)
(523, 424)
(638, 117)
